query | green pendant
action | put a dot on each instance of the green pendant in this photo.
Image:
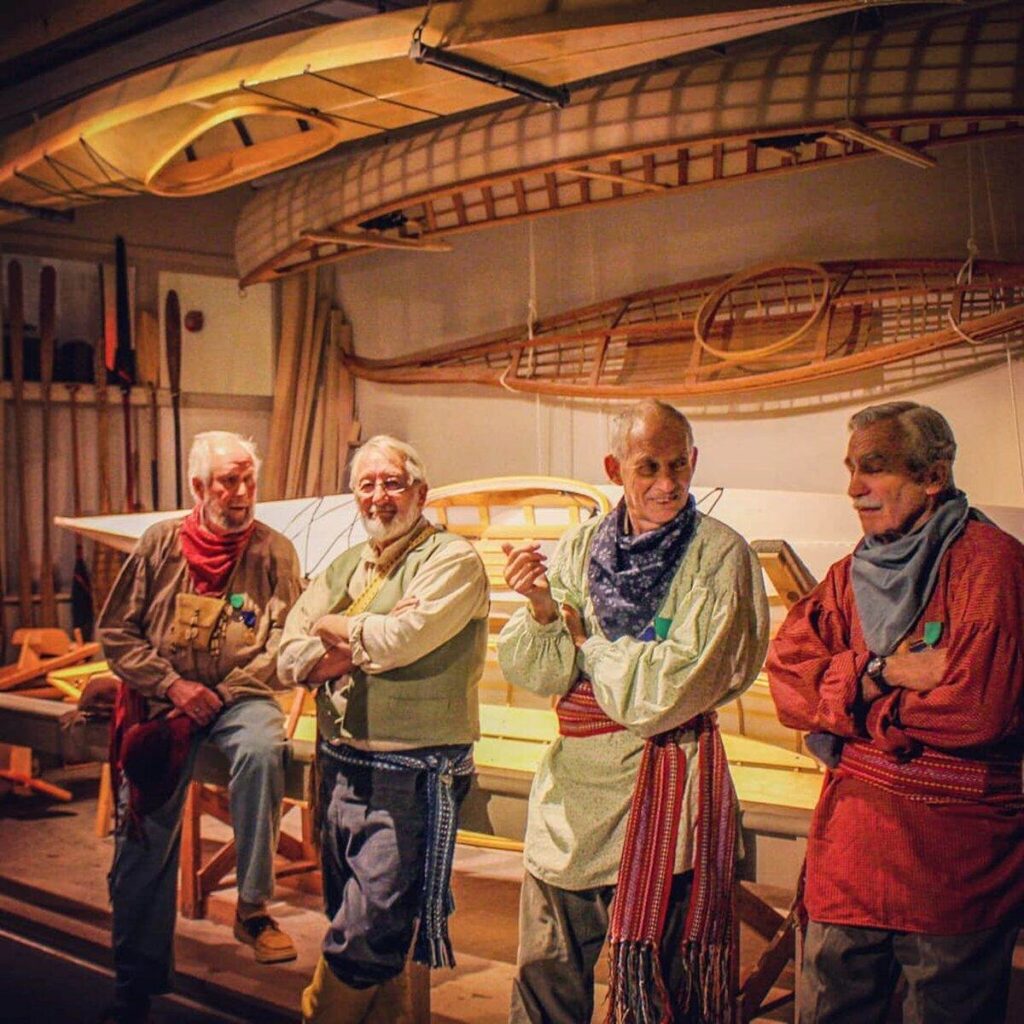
(236, 601)
(932, 633)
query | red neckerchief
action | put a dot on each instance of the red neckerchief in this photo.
(211, 556)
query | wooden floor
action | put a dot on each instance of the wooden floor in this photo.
(51, 860)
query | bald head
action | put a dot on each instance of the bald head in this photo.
(653, 459)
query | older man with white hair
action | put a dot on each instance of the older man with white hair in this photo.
(191, 627)
(393, 637)
(906, 667)
(644, 621)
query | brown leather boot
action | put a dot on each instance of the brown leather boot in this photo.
(328, 1000)
(270, 945)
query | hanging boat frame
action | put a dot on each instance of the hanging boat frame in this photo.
(788, 323)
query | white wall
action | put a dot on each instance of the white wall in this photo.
(399, 302)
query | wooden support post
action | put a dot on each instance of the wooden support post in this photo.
(419, 991)
(190, 901)
(104, 804)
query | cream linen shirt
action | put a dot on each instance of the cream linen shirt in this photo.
(715, 646)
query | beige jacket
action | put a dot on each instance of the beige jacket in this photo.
(135, 626)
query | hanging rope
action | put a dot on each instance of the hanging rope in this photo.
(531, 319)
(103, 164)
(417, 32)
(965, 276)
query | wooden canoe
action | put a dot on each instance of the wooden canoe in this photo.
(760, 110)
(224, 117)
(764, 327)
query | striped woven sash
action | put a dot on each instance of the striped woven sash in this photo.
(579, 714)
(932, 777)
(638, 993)
(433, 946)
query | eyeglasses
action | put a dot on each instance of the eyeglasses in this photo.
(391, 485)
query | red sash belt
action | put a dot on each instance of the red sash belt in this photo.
(932, 777)
(638, 990)
(579, 714)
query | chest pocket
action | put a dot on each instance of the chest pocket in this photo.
(199, 622)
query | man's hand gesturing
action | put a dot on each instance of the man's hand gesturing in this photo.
(526, 574)
(199, 702)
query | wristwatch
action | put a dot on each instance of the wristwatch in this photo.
(875, 669)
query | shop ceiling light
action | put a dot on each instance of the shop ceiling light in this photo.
(556, 96)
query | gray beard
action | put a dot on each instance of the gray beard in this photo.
(219, 521)
(385, 533)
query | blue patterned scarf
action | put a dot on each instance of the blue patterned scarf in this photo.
(629, 575)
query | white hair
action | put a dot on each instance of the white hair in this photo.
(642, 412)
(386, 444)
(205, 445)
(925, 434)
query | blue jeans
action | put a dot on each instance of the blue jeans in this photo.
(144, 875)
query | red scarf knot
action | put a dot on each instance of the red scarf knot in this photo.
(211, 556)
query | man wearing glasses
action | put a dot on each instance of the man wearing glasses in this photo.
(393, 638)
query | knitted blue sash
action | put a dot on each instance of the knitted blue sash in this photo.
(433, 946)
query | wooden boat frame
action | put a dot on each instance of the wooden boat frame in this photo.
(708, 124)
(868, 313)
(201, 124)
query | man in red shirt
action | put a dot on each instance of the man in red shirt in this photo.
(906, 665)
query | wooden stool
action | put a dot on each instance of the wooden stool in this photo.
(198, 878)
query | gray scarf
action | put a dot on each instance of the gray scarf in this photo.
(892, 584)
(893, 580)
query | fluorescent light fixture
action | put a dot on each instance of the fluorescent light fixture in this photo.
(853, 131)
(557, 96)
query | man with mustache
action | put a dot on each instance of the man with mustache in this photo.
(191, 627)
(645, 621)
(906, 666)
(393, 637)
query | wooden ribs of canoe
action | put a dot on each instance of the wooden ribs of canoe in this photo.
(765, 327)
(771, 107)
(226, 116)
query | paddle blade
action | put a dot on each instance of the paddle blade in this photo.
(172, 336)
(124, 356)
(82, 614)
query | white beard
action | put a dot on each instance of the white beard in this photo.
(384, 533)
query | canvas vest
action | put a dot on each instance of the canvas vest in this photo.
(431, 702)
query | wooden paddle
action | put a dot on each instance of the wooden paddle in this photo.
(82, 614)
(16, 299)
(147, 365)
(172, 335)
(47, 346)
(123, 367)
(106, 561)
